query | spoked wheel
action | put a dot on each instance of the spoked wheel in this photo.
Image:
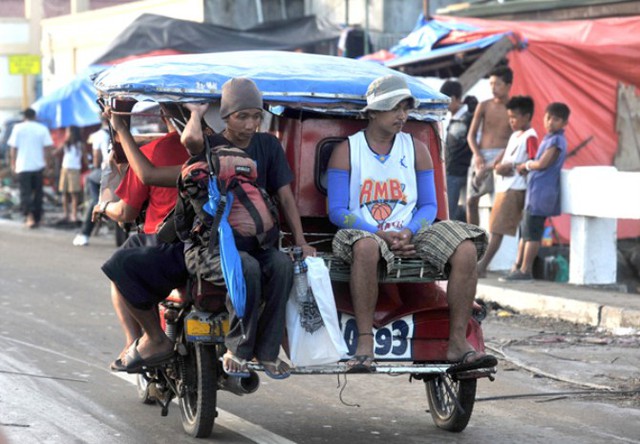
(198, 402)
(442, 392)
(142, 383)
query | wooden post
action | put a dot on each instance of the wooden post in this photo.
(485, 63)
(25, 91)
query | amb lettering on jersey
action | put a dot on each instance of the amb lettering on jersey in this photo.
(380, 198)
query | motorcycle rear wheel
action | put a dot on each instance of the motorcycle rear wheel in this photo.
(198, 404)
(445, 412)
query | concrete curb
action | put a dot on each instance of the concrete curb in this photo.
(596, 314)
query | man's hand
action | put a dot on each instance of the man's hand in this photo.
(505, 169)
(522, 169)
(307, 250)
(117, 121)
(388, 236)
(99, 211)
(401, 245)
(199, 109)
(479, 164)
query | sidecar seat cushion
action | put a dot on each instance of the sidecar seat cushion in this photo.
(146, 275)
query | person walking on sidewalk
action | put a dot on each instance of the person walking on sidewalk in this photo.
(30, 153)
(543, 189)
(100, 142)
(491, 122)
(511, 186)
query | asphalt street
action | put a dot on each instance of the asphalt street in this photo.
(556, 382)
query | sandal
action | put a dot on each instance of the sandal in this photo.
(242, 373)
(466, 364)
(277, 369)
(361, 364)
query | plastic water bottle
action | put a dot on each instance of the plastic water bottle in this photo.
(310, 317)
(300, 288)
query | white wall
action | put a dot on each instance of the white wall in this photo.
(75, 40)
(14, 39)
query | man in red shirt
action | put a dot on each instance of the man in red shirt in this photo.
(151, 179)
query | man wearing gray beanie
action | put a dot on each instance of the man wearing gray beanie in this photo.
(237, 94)
(241, 109)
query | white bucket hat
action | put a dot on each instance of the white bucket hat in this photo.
(384, 93)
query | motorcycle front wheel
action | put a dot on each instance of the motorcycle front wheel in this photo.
(198, 402)
(446, 413)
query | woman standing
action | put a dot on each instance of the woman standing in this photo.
(70, 186)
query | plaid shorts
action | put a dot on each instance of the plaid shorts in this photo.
(435, 244)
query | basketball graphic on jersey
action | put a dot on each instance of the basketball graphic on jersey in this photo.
(380, 211)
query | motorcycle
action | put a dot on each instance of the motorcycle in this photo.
(313, 103)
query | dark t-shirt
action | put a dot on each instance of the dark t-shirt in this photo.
(458, 154)
(273, 170)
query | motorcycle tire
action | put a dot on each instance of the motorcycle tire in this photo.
(198, 403)
(446, 414)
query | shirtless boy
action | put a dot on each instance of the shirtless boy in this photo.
(492, 122)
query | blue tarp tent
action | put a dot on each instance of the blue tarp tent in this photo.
(72, 104)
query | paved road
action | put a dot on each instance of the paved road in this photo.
(58, 334)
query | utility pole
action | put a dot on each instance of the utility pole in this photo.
(346, 12)
(366, 27)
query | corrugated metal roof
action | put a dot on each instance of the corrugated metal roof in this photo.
(493, 8)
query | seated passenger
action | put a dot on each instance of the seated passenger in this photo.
(151, 178)
(388, 211)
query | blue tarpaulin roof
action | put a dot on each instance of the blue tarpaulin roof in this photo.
(72, 104)
(305, 81)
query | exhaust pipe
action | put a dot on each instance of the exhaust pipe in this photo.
(240, 386)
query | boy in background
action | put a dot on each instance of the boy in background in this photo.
(543, 190)
(510, 186)
(488, 135)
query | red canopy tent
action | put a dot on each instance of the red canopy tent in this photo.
(580, 63)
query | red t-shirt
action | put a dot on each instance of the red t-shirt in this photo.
(165, 151)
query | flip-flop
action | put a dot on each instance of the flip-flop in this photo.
(117, 366)
(485, 361)
(241, 362)
(360, 364)
(279, 369)
(135, 363)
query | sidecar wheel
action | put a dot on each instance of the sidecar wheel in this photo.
(198, 403)
(444, 411)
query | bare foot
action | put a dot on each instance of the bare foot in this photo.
(456, 353)
(365, 344)
(233, 364)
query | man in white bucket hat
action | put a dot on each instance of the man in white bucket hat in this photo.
(389, 210)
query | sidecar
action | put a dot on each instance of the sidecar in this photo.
(313, 103)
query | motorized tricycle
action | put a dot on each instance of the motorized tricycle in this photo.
(313, 103)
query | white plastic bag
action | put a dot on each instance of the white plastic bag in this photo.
(325, 345)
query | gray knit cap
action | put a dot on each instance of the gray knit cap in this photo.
(237, 94)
